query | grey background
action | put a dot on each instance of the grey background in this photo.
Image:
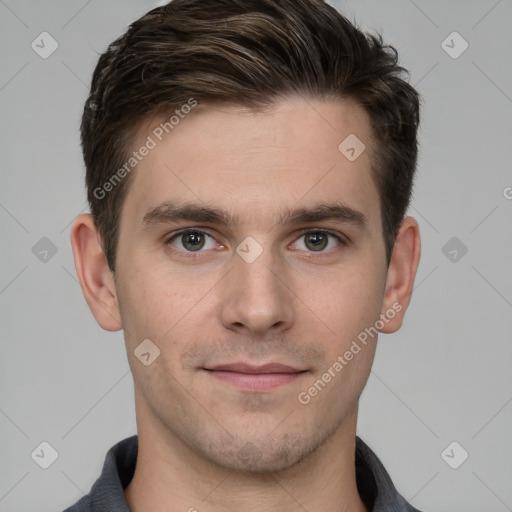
(446, 376)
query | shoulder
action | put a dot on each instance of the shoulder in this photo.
(107, 493)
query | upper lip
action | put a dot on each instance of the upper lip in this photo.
(249, 368)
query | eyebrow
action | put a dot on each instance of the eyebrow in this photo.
(171, 212)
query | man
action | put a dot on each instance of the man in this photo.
(249, 165)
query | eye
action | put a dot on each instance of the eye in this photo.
(317, 241)
(192, 240)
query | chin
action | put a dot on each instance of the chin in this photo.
(263, 456)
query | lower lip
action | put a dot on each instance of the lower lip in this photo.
(255, 381)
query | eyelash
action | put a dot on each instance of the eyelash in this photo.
(343, 241)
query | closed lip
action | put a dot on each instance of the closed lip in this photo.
(255, 369)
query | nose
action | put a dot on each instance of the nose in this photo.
(256, 298)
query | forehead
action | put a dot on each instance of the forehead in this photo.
(299, 153)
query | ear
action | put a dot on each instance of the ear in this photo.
(96, 279)
(401, 273)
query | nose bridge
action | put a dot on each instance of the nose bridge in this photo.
(256, 296)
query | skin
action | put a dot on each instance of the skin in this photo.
(204, 443)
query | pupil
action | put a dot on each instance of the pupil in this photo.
(193, 241)
(318, 240)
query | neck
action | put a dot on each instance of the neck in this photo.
(170, 477)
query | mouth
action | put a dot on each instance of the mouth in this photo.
(255, 378)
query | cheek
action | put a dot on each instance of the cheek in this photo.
(158, 304)
(153, 310)
(349, 309)
(144, 300)
(346, 300)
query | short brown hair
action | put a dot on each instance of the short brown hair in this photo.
(249, 53)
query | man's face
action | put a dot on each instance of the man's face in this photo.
(227, 304)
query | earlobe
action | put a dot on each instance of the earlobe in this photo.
(96, 279)
(401, 274)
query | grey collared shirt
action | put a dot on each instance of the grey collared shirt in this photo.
(107, 494)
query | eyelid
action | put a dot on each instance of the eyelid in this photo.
(303, 231)
(340, 237)
(169, 238)
(182, 231)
